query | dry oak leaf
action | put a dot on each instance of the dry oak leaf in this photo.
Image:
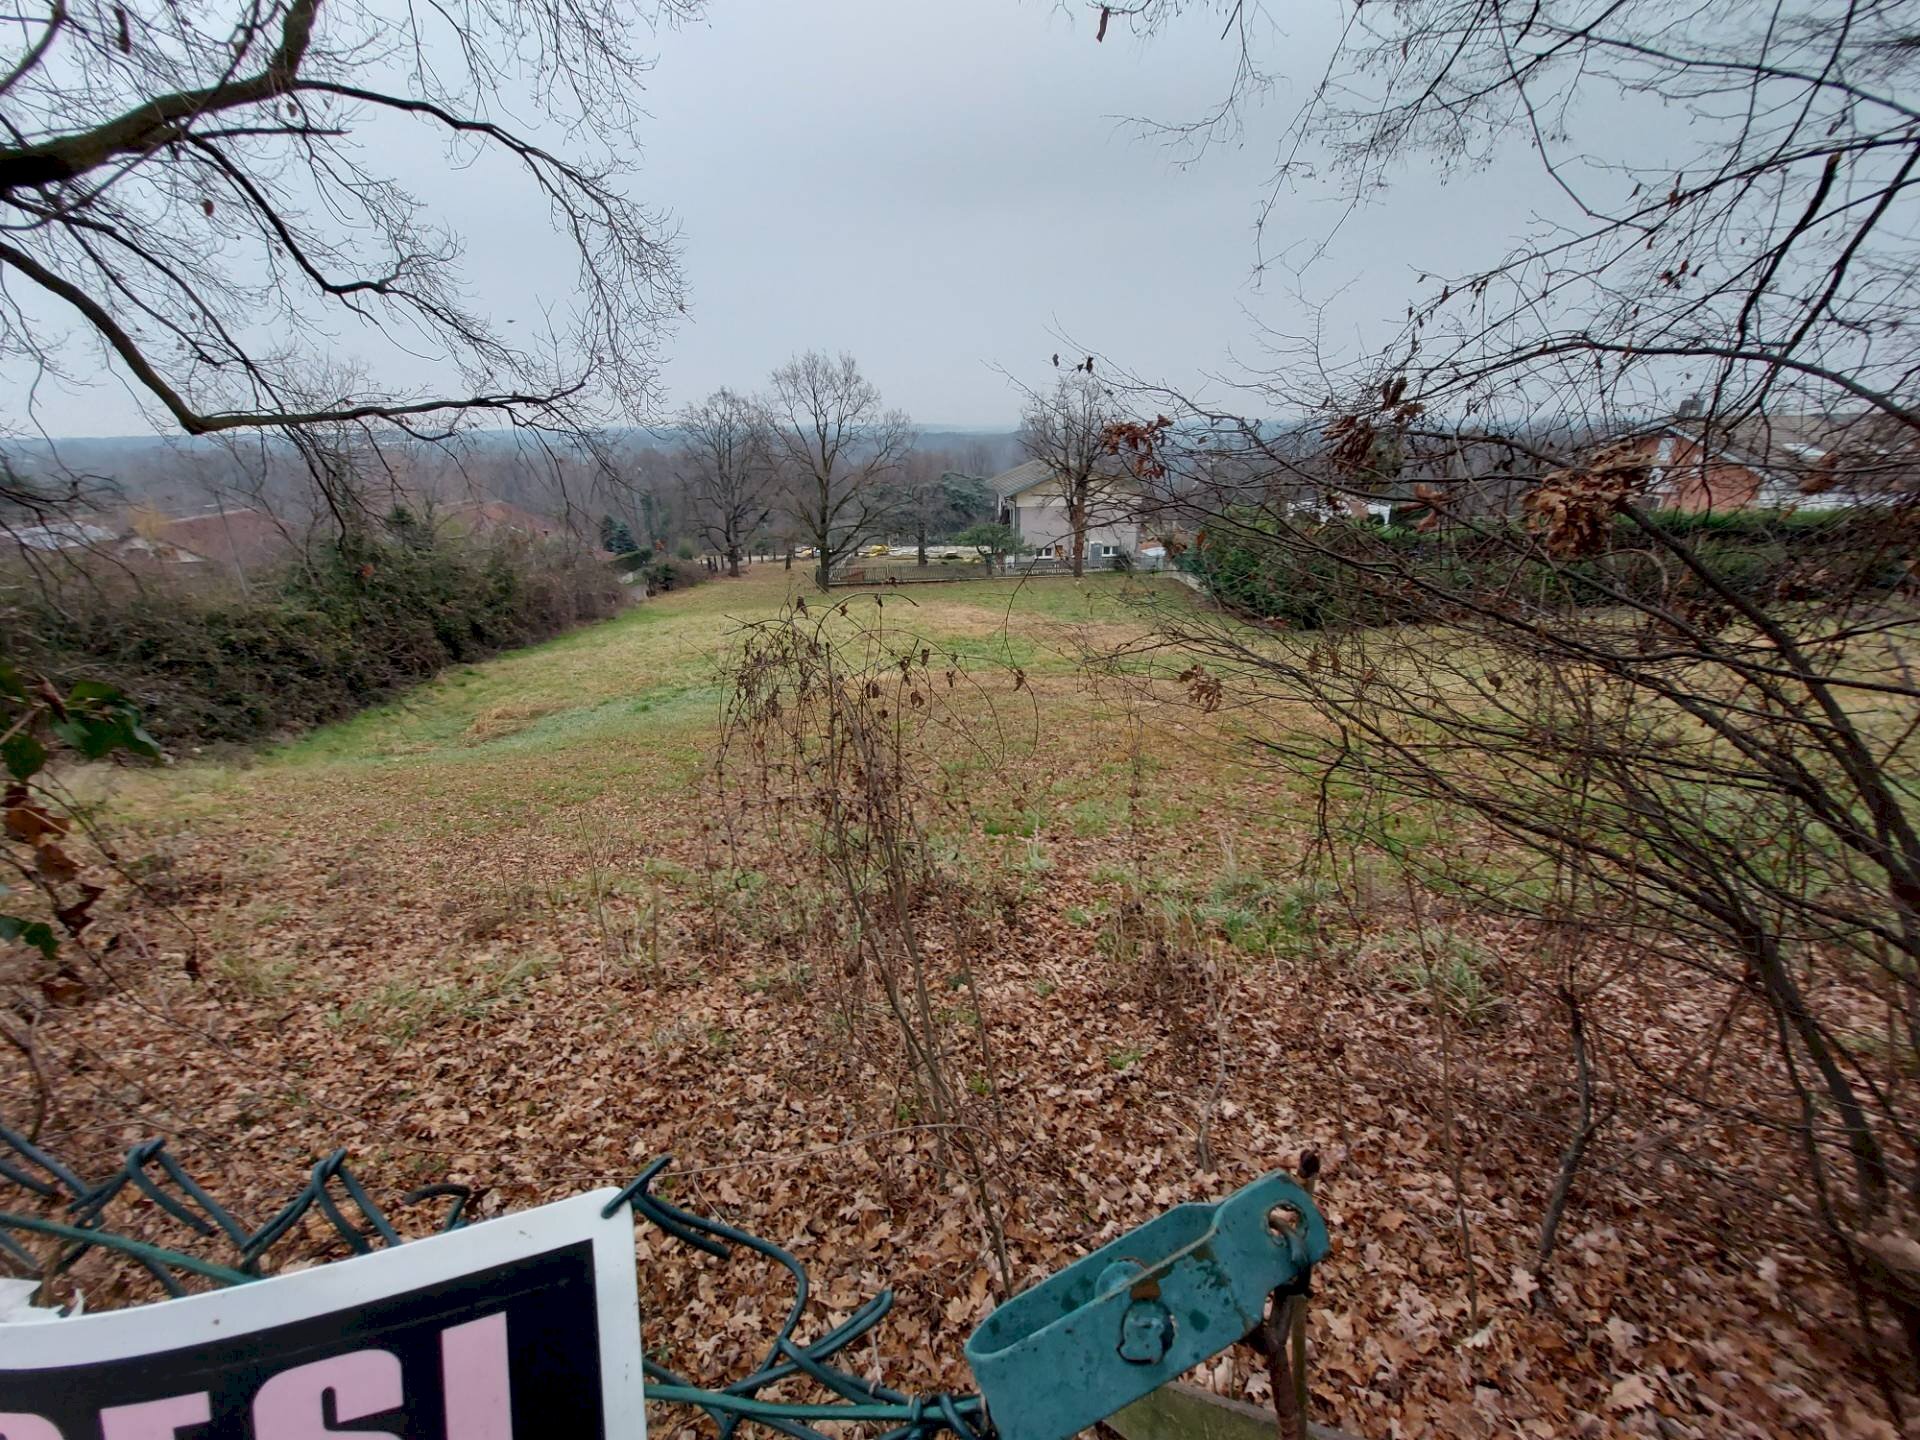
(1632, 1393)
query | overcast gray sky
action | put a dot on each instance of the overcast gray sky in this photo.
(944, 188)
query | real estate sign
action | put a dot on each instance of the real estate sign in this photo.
(524, 1326)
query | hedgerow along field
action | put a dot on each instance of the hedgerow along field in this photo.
(549, 916)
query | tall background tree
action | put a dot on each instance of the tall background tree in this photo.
(1065, 428)
(940, 499)
(198, 196)
(840, 451)
(616, 537)
(726, 467)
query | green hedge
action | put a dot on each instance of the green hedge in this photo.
(1364, 573)
(308, 642)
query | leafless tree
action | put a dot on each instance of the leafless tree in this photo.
(1692, 735)
(200, 194)
(1686, 735)
(1760, 254)
(840, 452)
(1066, 430)
(847, 727)
(727, 470)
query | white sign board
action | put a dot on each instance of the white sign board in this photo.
(524, 1326)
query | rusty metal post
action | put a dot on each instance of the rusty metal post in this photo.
(1282, 1336)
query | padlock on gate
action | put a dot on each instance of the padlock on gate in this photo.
(1141, 1311)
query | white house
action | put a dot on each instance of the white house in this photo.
(58, 535)
(1032, 502)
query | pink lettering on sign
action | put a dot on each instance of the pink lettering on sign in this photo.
(476, 1388)
(363, 1383)
(473, 1367)
(155, 1419)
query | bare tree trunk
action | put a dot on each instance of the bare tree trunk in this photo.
(1870, 1169)
(1450, 1131)
(1582, 1136)
(1077, 517)
(823, 530)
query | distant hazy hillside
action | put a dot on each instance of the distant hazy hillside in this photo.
(182, 474)
(103, 455)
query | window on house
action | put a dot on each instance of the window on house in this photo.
(1107, 552)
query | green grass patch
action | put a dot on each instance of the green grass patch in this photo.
(401, 1008)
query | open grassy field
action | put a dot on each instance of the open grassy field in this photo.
(492, 933)
(535, 751)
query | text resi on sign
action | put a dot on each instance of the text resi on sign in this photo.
(307, 1401)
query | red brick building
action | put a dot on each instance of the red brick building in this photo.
(1777, 462)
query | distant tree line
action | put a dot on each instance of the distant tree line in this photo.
(815, 461)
